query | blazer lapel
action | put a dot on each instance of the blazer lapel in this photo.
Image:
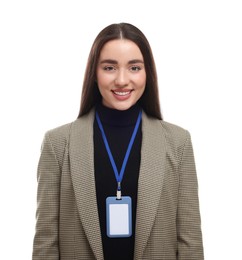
(82, 172)
(152, 171)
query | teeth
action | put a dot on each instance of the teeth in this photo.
(121, 93)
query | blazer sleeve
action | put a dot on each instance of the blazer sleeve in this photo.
(189, 234)
(45, 244)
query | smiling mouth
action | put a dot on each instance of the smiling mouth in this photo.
(122, 93)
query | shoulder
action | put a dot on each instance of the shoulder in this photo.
(59, 134)
(176, 139)
(57, 139)
(174, 132)
(169, 130)
(175, 135)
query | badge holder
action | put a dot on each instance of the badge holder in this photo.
(119, 217)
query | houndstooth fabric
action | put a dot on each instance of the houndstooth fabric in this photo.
(168, 223)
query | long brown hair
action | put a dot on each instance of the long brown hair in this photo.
(90, 92)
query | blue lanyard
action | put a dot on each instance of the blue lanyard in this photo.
(119, 176)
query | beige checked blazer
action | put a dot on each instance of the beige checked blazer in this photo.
(168, 218)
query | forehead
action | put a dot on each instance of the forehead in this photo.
(120, 49)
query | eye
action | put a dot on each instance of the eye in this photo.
(135, 68)
(109, 68)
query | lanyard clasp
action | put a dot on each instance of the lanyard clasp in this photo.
(119, 191)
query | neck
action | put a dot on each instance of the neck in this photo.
(116, 117)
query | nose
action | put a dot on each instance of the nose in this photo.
(121, 78)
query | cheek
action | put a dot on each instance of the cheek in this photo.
(141, 81)
(103, 80)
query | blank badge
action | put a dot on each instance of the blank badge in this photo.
(119, 217)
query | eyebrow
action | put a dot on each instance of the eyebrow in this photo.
(110, 61)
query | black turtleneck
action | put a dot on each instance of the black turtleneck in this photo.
(118, 126)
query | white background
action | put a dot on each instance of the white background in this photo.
(198, 51)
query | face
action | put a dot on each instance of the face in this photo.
(121, 75)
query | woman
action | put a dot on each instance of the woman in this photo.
(119, 182)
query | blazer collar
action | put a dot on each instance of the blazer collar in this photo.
(150, 182)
